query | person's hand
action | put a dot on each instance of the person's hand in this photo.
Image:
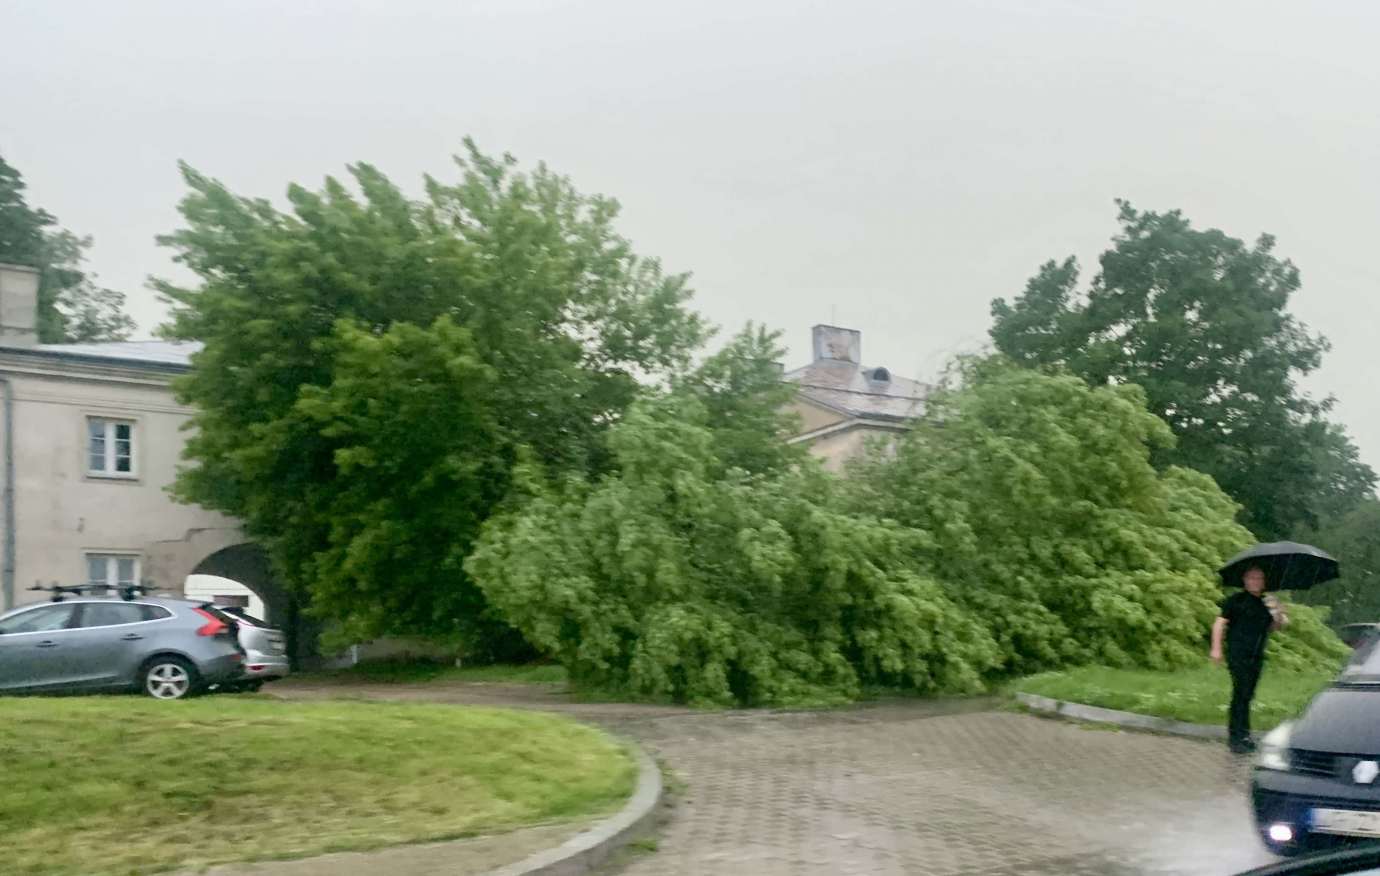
(1216, 655)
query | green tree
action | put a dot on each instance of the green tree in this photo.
(314, 386)
(746, 401)
(71, 307)
(1352, 536)
(1042, 514)
(1199, 320)
(678, 576)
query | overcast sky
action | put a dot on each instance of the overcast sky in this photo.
(889, 167)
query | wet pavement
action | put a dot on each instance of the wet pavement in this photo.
(911, 787)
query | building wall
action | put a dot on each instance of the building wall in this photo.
(812, 416)
(836, 448)
(62, 513)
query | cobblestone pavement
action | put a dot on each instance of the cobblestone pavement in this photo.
(929, 788)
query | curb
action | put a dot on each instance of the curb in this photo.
(582, 853)
(1132, 720)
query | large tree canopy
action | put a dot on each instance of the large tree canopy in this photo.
(71, 307)
(1199, 320)
(1043, 514)
(1019, 527)
(373, 366)
(678, 576)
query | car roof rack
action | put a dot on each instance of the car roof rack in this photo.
(60, 592)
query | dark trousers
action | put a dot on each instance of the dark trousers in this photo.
(1244, 675)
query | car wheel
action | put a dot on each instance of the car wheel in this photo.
(169, 678)
(253, 686)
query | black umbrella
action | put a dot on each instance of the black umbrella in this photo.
(1287, 565)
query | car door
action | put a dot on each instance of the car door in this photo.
(107, 644)
(33, 653)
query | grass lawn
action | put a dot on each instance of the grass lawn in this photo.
(412, 671)
(121, 785)
(1198, 694)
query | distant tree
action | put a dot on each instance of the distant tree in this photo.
(1199, 320)
(373, 367)
(71, 307)
(1353, 537)
(746, 402)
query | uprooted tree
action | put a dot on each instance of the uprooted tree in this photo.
(1021, 526)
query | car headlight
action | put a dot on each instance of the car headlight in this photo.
(1274, 748)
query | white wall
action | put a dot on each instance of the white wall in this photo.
(62, 513)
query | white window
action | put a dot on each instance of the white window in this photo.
(112, 570)
(109, 447)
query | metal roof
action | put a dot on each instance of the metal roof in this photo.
(130, 352)
(858, 392)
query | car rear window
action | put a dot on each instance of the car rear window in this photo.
(154, 612)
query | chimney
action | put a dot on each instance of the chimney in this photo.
(18, 306)
(842, 344)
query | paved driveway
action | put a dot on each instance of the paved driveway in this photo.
(932, 788)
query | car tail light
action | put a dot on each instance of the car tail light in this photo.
(214, 626)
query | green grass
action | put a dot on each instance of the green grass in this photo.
(415, 671)
(120, 785)
(1199, 694)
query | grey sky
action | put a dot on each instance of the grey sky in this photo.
(885, 166)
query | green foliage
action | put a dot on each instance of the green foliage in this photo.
(1020, 526)
(1198, 319)
(1042, 513)
(676, 577)
(71, 307)
(1307, 643)
(1353, 537)
(745, 402)
(373, 366)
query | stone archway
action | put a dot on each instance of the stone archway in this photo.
(226, 552)
(247, 564)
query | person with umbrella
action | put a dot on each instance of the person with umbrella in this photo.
(1248, 616)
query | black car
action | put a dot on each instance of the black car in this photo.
(1316, 783)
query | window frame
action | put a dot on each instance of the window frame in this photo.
(112, 562)
(109, 440)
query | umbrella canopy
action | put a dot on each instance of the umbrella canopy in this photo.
(1287, 565)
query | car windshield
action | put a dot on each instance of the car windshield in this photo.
(1364, 665)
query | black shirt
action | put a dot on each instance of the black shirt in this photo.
(1248, 625)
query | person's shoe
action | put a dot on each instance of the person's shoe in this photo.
(1241, 746)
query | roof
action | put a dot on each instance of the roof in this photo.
(157, 353)
(857, 391)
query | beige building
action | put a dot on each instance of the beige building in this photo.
(91, 439)
(842, 404)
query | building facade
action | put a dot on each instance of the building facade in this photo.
(842, 404)
(91, 440)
